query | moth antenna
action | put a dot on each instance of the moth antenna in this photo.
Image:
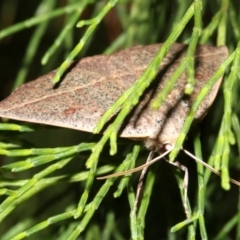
(160, 157)
(137, 168)
(208, 166)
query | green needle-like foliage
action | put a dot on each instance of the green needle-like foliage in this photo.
(48, 183)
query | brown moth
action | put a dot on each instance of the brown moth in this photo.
(93, 84)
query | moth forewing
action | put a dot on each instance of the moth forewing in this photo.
(93, 84)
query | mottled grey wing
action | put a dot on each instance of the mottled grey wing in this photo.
(93, 84)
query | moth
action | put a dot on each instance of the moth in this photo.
(93, 84)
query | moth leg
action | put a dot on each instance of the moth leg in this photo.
(185, 184)
(140, 182)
